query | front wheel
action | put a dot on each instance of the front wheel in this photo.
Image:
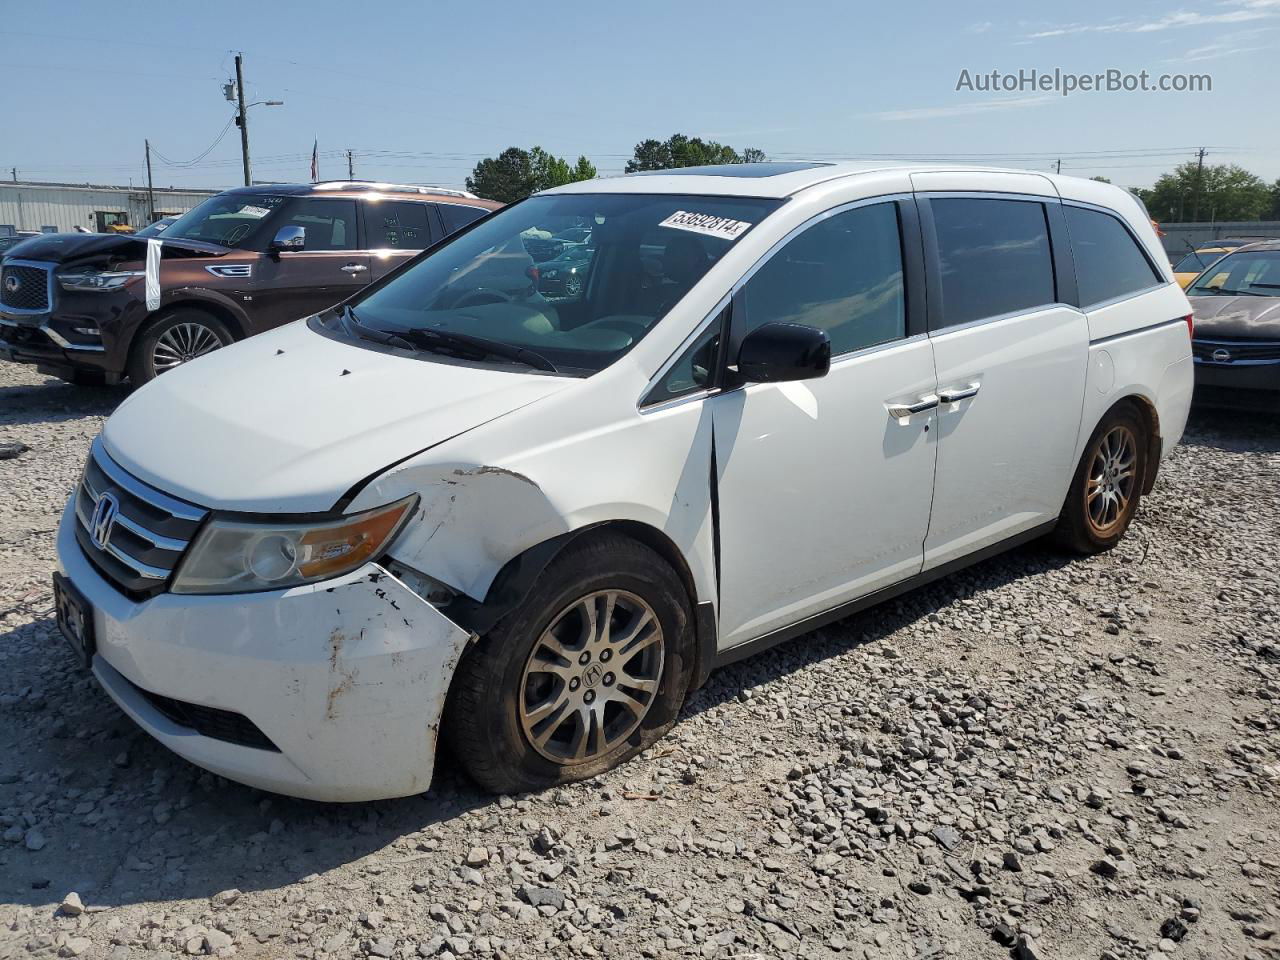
(590, 670)
(1107, 486)
(174, 339)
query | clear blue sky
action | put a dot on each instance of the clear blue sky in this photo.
(421, 91)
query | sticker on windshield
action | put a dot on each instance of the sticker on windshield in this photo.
(706, 224)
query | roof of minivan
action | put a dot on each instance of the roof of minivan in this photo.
(767, 179)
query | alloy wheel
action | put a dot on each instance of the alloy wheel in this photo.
(1111, 479)
(591, 677)
(183, 342)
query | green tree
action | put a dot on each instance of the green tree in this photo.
(584, 169)
(1216, 192)
(1274, 214)
(679, 150)
(1101, 179)
(505, 178)
(516, 173)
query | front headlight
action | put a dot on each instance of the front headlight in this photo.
(97, 279)
(235, 557)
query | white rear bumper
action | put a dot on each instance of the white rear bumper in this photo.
(347, 677)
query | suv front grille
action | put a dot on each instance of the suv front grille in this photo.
(24, 286)
(1235, 351)
(138, 538)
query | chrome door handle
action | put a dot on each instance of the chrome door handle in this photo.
(956, 394)
(900, 410)
(355, 268)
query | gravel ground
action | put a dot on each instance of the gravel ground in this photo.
(1034, 758)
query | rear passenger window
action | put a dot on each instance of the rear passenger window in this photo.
(994, 257)
(457, 216)
(842, 275)
(398, 225)
(1109, 262)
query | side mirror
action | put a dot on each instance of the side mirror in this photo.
(290, 238)
(776, 352)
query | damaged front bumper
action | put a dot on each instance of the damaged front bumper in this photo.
(331, 691)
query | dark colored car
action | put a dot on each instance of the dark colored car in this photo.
(1237, 329)
(82, 306)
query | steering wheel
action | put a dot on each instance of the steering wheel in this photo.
(482, 295)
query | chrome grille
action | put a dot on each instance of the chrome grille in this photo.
(138, 538)
(1227, 351)
(24, 286)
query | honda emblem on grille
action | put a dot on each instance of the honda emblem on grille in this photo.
(104, 519)
(1221, 356)
(12, 283)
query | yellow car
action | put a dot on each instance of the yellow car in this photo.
(1195, 263)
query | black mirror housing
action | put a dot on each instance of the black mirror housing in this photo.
(778, 352)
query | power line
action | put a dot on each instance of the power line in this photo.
(196, 160)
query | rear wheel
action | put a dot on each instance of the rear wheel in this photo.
(174, 339)
(590, 670)
(1107, 486)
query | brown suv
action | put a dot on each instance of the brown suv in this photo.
(82, 306)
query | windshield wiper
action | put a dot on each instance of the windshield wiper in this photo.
(424, 338)
(351, 323)
(1240, 293)
(430, 338)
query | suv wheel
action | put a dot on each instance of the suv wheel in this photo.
(590, 670)
(1105, 491)
(173, 340)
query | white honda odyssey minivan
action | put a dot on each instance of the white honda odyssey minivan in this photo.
(527, 491)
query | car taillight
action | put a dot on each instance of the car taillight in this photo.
(532, 273)
(1191, 325)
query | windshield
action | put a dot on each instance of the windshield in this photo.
(574, 279)
(228, 219)
(1195, 262)
(1255, 273)
(157, 228)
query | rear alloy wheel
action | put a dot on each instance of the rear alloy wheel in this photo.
(587, 671)
(175, 339)
(1107, 487)
(1112, 480)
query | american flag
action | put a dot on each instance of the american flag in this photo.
(315, 161)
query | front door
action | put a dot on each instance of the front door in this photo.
(1012, 355)
(331, 266)
(823, 494)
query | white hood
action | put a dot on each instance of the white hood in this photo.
(289, 421)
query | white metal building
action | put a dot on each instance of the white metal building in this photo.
(29, 205)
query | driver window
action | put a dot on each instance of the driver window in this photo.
(330, 223)
(842, 275)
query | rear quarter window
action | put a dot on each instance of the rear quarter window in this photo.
(1109, 262)
(456, 216)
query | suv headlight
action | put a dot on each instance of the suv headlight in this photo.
(97, 279)
(236, 557)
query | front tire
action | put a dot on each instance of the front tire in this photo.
(1107, 486)
(586, 673)
(173, 339)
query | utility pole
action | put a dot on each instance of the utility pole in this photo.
(1059, 170)
(1195, 208)
(14, 171)
(243, 119)
(151, 193)
(351, 170)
